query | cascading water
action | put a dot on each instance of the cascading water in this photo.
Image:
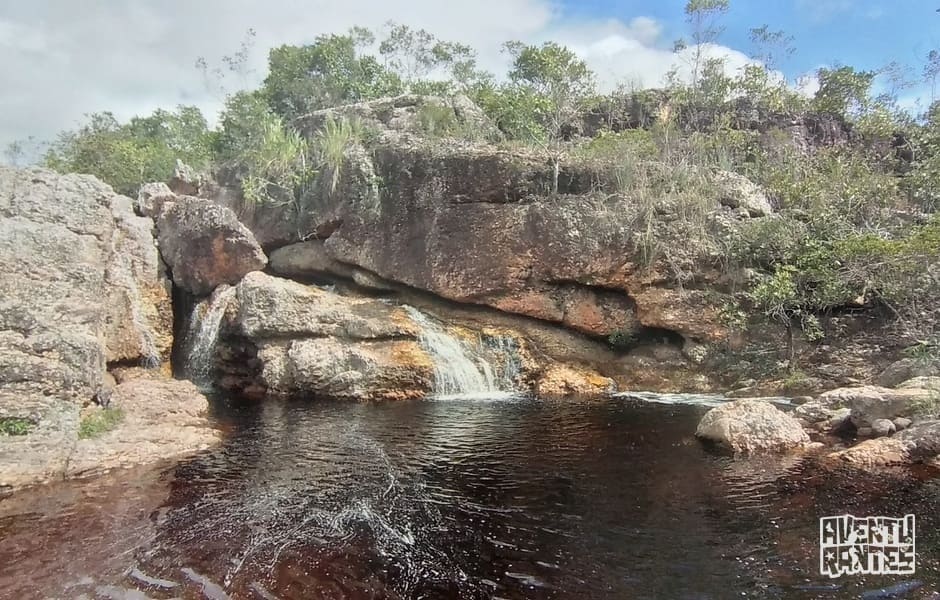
(464, 369)
(203, 335)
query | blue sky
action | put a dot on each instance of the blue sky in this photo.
(63, 59)
(866, 34)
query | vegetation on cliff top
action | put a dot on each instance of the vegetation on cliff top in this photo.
(853, 178)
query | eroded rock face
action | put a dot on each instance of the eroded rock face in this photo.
(751, 425)
(304, 340)
(83, 286)
(205, 245)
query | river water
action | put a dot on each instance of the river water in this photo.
(454, 499)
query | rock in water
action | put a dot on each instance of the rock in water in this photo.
(205, 245)
(751, 425)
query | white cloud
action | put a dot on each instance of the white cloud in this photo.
(62, 59)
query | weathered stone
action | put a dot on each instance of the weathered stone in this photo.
(205, 245)
(906, 369)
(882, 427)
(151, 198)
(869, 403)
(920, 443)
(185, 181)
(163, 418)
(864, 432)
(566, 381)
(739, 192)
(921, 383)
(83, 286)
(309, 341)
(901, 423)
(751, 426)
(333, 368)
(270, 307)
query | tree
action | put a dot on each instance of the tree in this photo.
(415, 54)
(843, 90)
(235, 64)
(771, 46)
(932, 71)
(555, 74)
(128, 155)
(702, 16)
(329, 72)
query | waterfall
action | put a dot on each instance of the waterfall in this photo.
(482, 368)
(203, 334)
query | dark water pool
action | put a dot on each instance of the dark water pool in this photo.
(455, 499)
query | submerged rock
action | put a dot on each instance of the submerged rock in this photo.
(205, 245)
(750, 425)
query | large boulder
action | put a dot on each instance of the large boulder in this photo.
(286, 338)
(83, 287)
(205, 245)
(870, 403)
(751, 425)
(907, 369)
(739, 192)
(920, 443)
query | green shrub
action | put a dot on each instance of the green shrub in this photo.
(15, 426)
(99, 422)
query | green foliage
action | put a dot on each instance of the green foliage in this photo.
(517, 111)
(557, 76)
(415, 54)
(99, 422)
(843, 90)
(130, 154)
(271, 160)
(15, 426)
(331, 144)
(329, 72)
(437, 120)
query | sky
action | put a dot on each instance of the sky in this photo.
(62, 59)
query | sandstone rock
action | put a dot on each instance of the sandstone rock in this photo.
(870, 453)
(751, 426)
(185, 180)
(920, 443)
(333, 368)
(882, 427)
(151, 198)
(307, 259)
(205, 245)
(308, 341)
(869, 403)
(901, 423)
(921, 383)
(271, 307)
(83, 286)
(906, 369)
(865, 432)
(739, 192)
(566, 381)
(163, 418)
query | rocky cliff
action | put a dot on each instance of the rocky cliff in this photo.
(84, 288)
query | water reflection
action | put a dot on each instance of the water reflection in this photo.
(512, 499)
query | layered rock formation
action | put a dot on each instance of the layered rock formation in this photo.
(84, 288)
(286, 338)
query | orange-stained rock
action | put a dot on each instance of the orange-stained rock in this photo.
(568, 381)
